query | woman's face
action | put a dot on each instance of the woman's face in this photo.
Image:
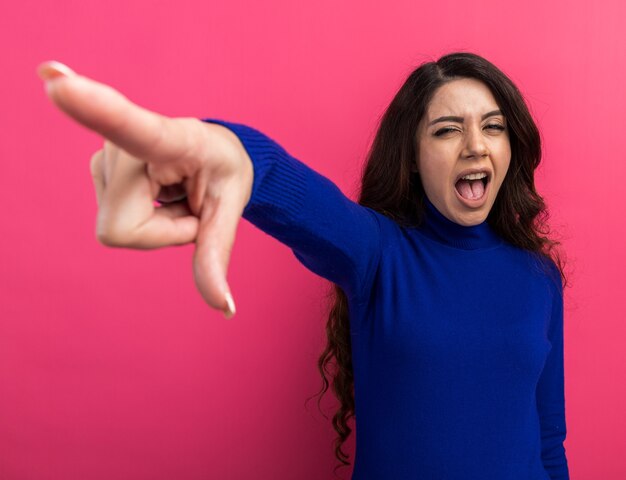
(476, 141)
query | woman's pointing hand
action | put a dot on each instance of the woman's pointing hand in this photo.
(146, 157)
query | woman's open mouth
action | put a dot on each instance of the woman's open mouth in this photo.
(472, 189)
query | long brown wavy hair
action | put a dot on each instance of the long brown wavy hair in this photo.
(391, 187)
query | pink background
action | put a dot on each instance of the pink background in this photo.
(112, 366)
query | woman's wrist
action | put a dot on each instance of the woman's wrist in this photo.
(226, 144)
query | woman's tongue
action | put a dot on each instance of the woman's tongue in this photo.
(470, 189)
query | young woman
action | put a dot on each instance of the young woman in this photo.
(446, 328)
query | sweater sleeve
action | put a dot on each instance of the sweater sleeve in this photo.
(551, 392)
(331, 235)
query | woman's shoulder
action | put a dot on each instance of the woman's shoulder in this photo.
(545, 267)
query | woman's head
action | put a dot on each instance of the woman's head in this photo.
(463, 132)
(411, 158)
(408, 161)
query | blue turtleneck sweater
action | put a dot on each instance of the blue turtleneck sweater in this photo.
(457, 335)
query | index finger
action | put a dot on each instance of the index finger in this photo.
(101, 108)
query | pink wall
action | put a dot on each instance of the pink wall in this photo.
(112, 366)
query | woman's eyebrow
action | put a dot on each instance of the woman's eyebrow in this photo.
(460, 119)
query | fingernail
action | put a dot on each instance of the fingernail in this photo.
(53, 69)
(231, 306)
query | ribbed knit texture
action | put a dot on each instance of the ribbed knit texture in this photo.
(457, 335)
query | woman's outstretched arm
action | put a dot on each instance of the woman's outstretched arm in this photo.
(222, 172)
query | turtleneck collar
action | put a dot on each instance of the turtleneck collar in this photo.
(439, 228)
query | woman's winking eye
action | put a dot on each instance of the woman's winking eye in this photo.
(442, 131)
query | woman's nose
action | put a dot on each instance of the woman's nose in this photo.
(475, 144)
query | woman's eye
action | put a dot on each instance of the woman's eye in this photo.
(443, 131)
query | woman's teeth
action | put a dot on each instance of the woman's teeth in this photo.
(474, 176)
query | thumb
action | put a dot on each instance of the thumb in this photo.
(144, 134)
(216, 236)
